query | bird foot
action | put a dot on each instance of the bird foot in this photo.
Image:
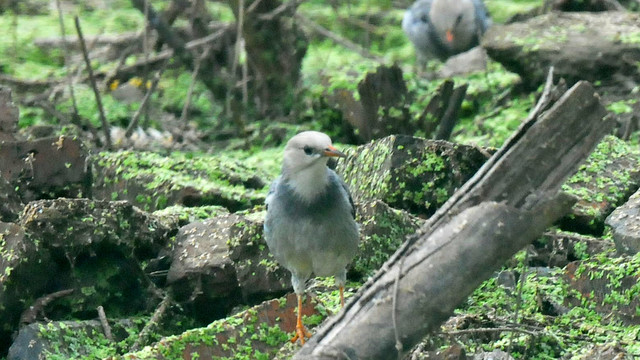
(301, 334)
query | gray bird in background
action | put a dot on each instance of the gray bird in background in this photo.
(310, 225)
(443, 28)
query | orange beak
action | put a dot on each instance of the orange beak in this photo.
(449, 36)
(333, 152)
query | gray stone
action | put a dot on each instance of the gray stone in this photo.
(608, 177)
(201, 266)
(557, 248)
(580, 46)
(46, 168)
(409, 173)
(467, 62)
(625, 225)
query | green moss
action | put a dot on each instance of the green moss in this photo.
(568, 335)
(213, 179)
(20, 56)
(610, 187)
(501, 10)
(622, 106)
(84, 342)
(629, 38)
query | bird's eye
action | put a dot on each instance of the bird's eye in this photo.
(308, 150)
(424, 18)
(458, 19)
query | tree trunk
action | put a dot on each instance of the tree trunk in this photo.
(506, 205)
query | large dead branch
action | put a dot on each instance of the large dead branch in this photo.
(507, 204)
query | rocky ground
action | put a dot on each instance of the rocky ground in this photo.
(169, 247)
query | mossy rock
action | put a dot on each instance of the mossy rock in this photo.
(152, 181)
(609, 176)
(559, 248)
(579, 45)
(625, 226)
(256, 333)
(382, 231)
(608, 285)
(259, 275)
(409, 173)
(179, 215)
(96, 248)
(58, 340)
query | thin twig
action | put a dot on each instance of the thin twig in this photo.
(30, 315)
(153, 322)
(237, 116)
(238, 45)
(194, 78)
(136, 117)
(253, 6)
(485, 330)
(394, 316)
(145, 49)
(168, 54)
(284, 7)
(92, 79)
(544, 98)
(65, 48)
(305, 21)
(105, 324)
(516, 315)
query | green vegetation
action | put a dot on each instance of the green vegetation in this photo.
(231, 157)
(161, 180)
(576, 330)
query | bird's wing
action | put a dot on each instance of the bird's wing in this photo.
(272, 191)
(418, 12)
(483, 21)
(353, 206)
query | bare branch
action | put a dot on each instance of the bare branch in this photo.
(305, 21)
(92, 79)
(105, 324)
(136, 117)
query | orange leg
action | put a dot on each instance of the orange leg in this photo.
(341, 296)
(301, 331)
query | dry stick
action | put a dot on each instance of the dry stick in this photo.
(238, 44)
(516, 314)
(105, 324)
(168, 54)
(253, 6)
(194, 77)
(65, 47)
(145, 49)
(153, 322)
(145, 100)
(236, 59)
(165, 32)
(486, 330)
(92, 79)
(277, 11)
(450, 116)
(394, 311)
(30, 315)
(305, 21)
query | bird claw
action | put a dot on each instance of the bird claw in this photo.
(301, 334)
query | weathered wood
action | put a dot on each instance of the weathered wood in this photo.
(452, 263)
(508, 203)
(581, 46)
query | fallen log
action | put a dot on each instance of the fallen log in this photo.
(506, 205)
